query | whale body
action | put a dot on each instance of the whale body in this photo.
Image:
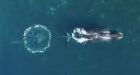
(82, 35)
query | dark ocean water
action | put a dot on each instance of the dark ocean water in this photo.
(120, 57)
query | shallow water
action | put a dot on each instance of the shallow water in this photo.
(120, 57)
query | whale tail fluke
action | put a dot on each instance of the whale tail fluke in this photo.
(68, 37)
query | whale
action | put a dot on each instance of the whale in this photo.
(82, 35)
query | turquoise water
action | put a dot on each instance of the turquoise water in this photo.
(60, 16)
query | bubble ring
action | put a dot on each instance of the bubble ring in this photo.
(37, 38)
